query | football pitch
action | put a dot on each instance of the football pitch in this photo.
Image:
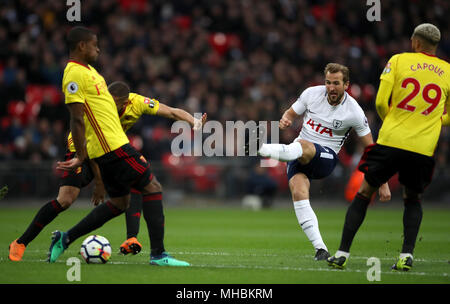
(236, 246)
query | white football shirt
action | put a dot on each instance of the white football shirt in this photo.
(328, 125)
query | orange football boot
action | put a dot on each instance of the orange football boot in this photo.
(130, 246)
(16, 251)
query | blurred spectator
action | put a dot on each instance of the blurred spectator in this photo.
(261, 184)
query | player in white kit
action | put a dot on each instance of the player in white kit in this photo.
(329, 114)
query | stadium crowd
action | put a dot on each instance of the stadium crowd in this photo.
(233, 59)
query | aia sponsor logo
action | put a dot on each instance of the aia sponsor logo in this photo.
(317, 127)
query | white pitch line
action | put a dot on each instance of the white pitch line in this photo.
(260, 267)
(244, 254)
(393, 259)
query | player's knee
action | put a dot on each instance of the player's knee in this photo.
(409, 194)
(299, 187)
(299, 193)
(366, 189)
(309, 151)
(67, 196)
(65, 201)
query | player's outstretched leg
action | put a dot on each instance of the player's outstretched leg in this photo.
(95, 219)
(356, 213)
(45, 215)
(133, 218)
(412, 217)
(154, 216)
(282, 152)
(308, 222)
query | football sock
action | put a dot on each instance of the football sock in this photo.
(45, 215)
(133, 215)
(281, 152)
(356, 213)
(95, 219)
(154, 216)
(412, 217)
(340, 253)
(309, 223)
(405, 255)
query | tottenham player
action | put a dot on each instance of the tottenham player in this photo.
(329, 114)
(413, 94)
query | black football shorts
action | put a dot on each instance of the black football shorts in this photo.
(379, 163)
(79, 178)
(123, 169)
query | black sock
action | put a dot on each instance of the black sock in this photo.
(95, 219)
(412, 217)
(133, 215)
(154, 216)
(45, 215)
(353, 220)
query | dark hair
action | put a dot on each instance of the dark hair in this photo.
(119, 89)
(335, 68)
(78, 34)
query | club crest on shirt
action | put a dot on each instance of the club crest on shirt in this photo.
(150, 102)
(337, 123)
(387, 68)
(72, 87)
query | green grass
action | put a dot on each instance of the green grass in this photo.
(226, 245)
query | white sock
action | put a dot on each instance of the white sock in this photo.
(309, 223)
(404, 255)
(281, 152)
(342, 253)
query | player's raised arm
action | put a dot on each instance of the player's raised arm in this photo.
(180, 114)
(288, 117)
(382, 99)
(98, 195)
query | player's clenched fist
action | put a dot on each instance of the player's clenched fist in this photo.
(284, 123)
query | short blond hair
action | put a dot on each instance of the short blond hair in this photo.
(335, 68)
(429, 32)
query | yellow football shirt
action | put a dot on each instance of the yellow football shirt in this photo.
(136, 106)
(103, 130)
(446, 120)
(420, 90)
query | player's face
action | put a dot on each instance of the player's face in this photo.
(91, 50)
(335, 86)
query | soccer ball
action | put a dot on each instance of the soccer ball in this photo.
(95, 249)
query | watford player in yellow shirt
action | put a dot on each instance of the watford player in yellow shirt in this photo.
(412, 97)
(98, 138)
(131, 107)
